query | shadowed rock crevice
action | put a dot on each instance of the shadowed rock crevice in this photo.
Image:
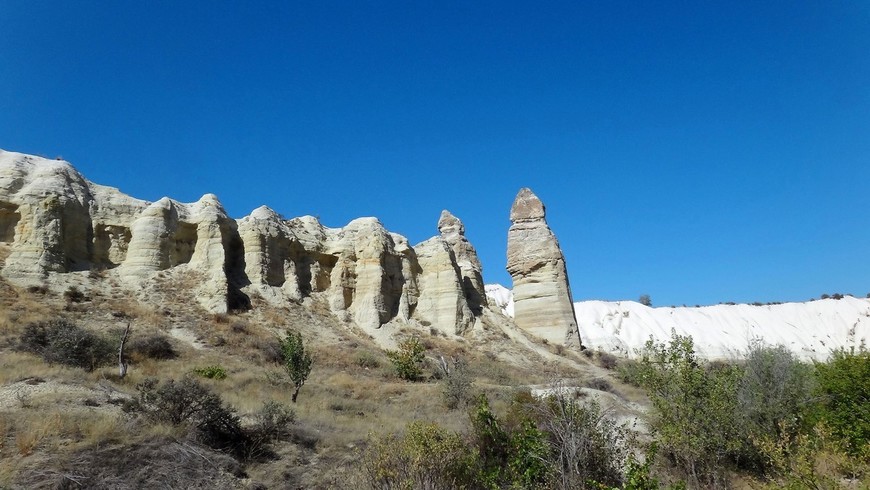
(9, 217)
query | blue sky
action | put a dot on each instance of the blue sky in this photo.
(697, 152)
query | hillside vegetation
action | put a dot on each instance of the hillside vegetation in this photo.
(207, 403)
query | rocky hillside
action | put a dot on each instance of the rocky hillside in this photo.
(54, 222)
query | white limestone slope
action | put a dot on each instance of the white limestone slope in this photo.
(810, 330)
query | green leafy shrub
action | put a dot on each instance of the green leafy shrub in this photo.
(774, 395)
(297, 362)
(426, 456)
(63, 342)
(408, 359)
(506, 457)
(694, 409)
(844, 390)
(211, 372)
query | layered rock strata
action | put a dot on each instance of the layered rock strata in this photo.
(542, 297)
(453, 232)
(53, 221)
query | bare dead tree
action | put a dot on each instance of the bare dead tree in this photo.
(122, 360)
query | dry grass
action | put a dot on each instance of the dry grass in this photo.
(339, 406)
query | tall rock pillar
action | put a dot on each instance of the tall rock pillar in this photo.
(542, 298)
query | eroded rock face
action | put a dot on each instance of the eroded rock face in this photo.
(51, 218)
(542, 296)
(442, 300)
(53, 221)
(453, 232)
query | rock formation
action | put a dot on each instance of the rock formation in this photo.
(453, 232)
(442, 301)
(542, 298)
(53, 221)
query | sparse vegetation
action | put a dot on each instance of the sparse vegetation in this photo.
(154, 346)
(297, 362)
(408, 359)
(211, 372)
(790, 424)
(456, 382)
(62, 342)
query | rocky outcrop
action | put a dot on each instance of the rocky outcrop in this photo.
(53, 221)
(442, 300)
(471, 272)
(542, 297)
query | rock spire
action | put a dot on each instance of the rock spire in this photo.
(542, 296)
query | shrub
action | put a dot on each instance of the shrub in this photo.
(456, 382)
(63, 342)
(693, 409)
(73, 295)
(154, 346)
(297, 362)
(367, 360)
(270, 350)
(426, 456)
(272, 422)
(600, 384)
(585, 444)
(607, 360)
(517, 458)
(408, 359)
(211, 372)
(844, 388)
(773, 395)
(645, 300)
(630, 371)
(189, 402)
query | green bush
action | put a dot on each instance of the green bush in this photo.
(694, 409)
(63, 342)
(211, 372)
(426, 456)
(844, 391)
(408, 359)
(774, 395)
(297, 362)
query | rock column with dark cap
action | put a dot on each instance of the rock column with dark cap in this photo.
(453, 231)
(542, 297)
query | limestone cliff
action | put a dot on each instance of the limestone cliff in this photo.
(542, 297)
(54, 221)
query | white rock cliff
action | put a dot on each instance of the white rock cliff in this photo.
(54, 221)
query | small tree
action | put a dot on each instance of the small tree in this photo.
(645, 300)
(297, 362)
(407, 359)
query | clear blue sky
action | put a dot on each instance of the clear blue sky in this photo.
(694, 151)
